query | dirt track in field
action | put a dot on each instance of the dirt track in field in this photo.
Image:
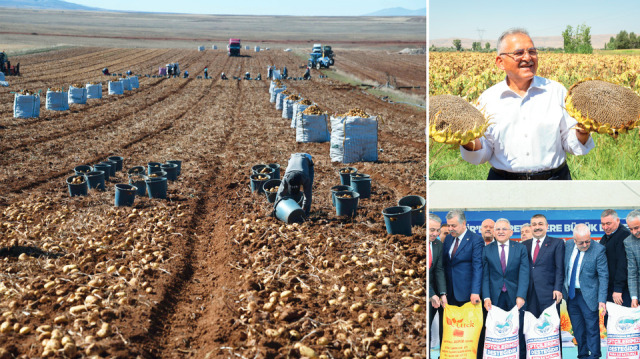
(208, 272)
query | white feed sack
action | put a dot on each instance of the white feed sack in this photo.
(116, 88)
(57, 101)
(126, 84)
(312, 128)
(354, 139)
(94, 90)
(542, 334)
(133, 80)
(502, 337)
(623, 332)
(200, 48)
(1, 76)
(78, 95)
(297, 110)
(26, 106)
(4, 83)
(272, 85)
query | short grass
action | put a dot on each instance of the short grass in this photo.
(611, 159)
(37, 50)
(618, 52)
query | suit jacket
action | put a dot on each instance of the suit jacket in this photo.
(616, 259)
(465, 266)
(547, 274)
(515, 277)
(632, 247)
(594, 274)
(437, 284)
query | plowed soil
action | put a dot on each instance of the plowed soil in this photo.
(208, 272)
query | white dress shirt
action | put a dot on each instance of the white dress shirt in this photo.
(573, 257)
(533, 246)
(454, 242)
(529, 134)
(506, 251)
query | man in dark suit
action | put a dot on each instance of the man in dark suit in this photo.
(505, 270)
(462, 260)
(585, 286)
(613, 242)
(437, 285)
(486, 231)
(546, 263)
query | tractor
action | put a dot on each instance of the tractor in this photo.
(5, 66)
(319, 61)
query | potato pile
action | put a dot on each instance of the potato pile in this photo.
(26, 92)
(293, 97)
(262, 177)
(271, 190)
(603, 107)
(454, 121)
(347, 170)
(345, 195)
(56, 89)
(306, 102)
(356, 112)
(78, 86)
(77, 180)
(312, 110)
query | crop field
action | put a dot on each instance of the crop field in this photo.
(208, 272)
(469, 74)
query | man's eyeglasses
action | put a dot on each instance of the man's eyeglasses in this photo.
(583, 243)
(519, 54)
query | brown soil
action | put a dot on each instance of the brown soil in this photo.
(207, 273)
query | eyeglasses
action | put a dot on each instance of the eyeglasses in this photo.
(501, 229)
(519, 54)
(583, 243)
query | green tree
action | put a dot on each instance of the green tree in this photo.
(578, 41)
(622, 40)
(487, 46)
(457, 43)
(475, 46)
(633, 40)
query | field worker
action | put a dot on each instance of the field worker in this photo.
(129, 72)
(186, 74)
(259, 77)
(585, 284)
(269, 72)
(531, 132)
(223, 76)
(105, 71)
(206, 72)
(284, 72)
(298, 178)
(632, 247)
(307, 74)
(247, 76)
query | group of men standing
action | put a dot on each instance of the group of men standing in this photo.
(536, 273)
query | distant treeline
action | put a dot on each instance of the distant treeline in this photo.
(435, 48)
(623, 40)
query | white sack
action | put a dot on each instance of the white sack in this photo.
(26, 106)
(542, 334)
(354, 139)
(77, 95)
(94, 91)
(57, 101)
(312, 128)
(116, 88)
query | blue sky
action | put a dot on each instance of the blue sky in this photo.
(463, 18)
(256, 7)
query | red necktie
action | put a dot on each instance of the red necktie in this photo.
(455, 247)
(430, 256)
(535, 252)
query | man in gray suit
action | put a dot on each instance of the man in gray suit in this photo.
(585, 287)
(632, 247)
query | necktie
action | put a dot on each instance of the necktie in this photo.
(503, 262)
(572, 281)
(455, 247)
(535, 252)
(429, 255)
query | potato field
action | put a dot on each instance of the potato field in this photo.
(207, 272)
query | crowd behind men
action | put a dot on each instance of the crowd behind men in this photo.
(537, 272)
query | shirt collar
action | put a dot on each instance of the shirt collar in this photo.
(506, 244)
(537, 82)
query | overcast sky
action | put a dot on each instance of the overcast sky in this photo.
(256, 7)
(469, 18)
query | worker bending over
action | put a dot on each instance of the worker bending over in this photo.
(298, 178)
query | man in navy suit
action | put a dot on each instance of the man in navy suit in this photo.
(546, 263)
(462, 260)
(585, 286)
(505, 270)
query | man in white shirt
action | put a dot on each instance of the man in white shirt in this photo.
(531, 132)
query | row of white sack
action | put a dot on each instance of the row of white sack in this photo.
(353, 139)
(27, 106)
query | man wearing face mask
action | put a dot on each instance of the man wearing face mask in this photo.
(531, 132)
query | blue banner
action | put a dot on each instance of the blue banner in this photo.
(561, 222)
